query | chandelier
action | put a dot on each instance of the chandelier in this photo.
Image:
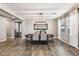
(40, 25)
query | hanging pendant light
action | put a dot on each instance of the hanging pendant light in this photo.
(40, 19)
(40, 25)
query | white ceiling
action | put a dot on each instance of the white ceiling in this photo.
(31, 10)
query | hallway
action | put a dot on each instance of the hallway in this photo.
(17, 47)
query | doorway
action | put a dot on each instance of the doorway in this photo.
(18, 29)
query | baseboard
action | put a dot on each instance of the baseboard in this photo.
(68, 44)
(65, 42)
(11, 37)
(3, 40)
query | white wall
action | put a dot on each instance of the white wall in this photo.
(23, 29)
(27, 27)
(10, 28)
(52, 27)
(6, 28)
(2, 29)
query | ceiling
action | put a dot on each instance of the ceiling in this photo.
(29, 11)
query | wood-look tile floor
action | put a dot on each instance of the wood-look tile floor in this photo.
(17, 47)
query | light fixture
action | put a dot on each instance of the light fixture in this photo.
(40, 25)
(40, 16)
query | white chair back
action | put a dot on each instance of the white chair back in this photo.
(43, 37)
